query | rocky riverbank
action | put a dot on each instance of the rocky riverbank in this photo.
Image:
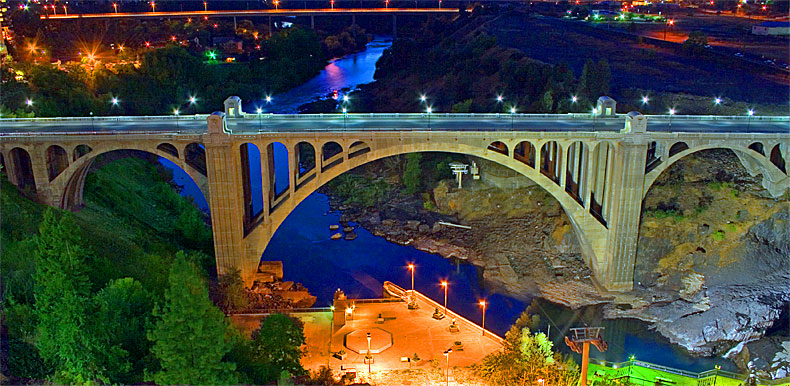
(711, 266)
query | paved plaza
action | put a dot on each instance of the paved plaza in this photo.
(397, 333)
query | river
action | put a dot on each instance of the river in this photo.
(359, 267)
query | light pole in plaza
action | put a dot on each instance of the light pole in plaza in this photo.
(444, 284)
(447, 371)
(368, 356)
(483, 304)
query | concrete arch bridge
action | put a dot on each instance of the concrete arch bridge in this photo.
(598, 167)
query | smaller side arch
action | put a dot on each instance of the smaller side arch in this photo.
(80, 151)
(305, 158)
(777, 159)
(168, 148)
(677, 147)
(499, 147)
(358, 148)
(21, 173)
(550, 154)
(330, 155)
(57, 161)
(195, 156)
(758, 147)
(525, 152)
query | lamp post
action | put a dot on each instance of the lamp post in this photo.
(345, 115)
(92, 125)
(429, 110)
(444, 284)
(411, 269)
(114, 6)
(749, 121)
(368, 356)
(668, 23)
(153, 6)
(447, 371)
(594, 113)
(483, 304)
(512, 116)
(671, 113)
(114, 102)
(205, 6)
(175, 112)
(260, 119)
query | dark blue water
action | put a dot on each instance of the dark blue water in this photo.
(359, 267)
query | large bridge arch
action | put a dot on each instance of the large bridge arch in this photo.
(589, 231)
(67, 187)
(774, 179)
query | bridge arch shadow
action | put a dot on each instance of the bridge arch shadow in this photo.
(772, 168)
(68, 186)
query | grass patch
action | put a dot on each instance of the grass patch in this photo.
(671, 214)
(718, 235)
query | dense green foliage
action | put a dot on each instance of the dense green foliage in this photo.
(353, 188)
(526, 358)
(61, 292)
(165, 80)
(190, 334)
(411, 173)
(277, 344)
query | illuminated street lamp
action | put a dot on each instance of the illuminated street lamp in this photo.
(345, 117)
(645, 99)
(368, 355)
(268, 99)
(574, 99)
(423, 98)
(749, 122)
(153, 6)
(411, 269)
(260, 119)
(65, 10)
(175, 112)
(671, 113)
(447, 371)
(115, 7)
(717, 101)
(444, 284)
(29, 103)
(499, 98)
(205, 6)
(429, 110)
(483, 304)
(668, 23)
(512, 116)
(594, 113)
(192, 100)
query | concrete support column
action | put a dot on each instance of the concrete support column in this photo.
(609, 181)
(589, 162)
(561, 154)
(624, 201)
(293, 169)
(267, 180)
(223, 163)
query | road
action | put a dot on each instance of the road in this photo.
(249, 13)
(391, 122)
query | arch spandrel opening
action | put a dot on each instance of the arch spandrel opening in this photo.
(758, 147)
(601, 163)
(550, 160)
(677, 147)
(252, 181)
(331, 155)
(195, 156)
(499, 147)
(21, 173)
(80, 151)
(168, 148)
(777, 159)
(57, 161)
(576, 171)
(653, 158)
(525, 152)
(305, 163)
(358, 148)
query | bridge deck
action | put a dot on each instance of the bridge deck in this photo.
(251, 13)
(253, 124)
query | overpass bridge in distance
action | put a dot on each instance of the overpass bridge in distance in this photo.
(251, 13)
(599, 168)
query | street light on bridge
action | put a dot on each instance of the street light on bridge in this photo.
(512, 116)
(205, 6)
(483, 304)
(750, 113)
(153, 6)
(114, 6)
(671, 113)
(645, 99)
(444, 284)
(29, 103)
(429, 110)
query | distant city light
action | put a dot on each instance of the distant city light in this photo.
(192, 100)
(268, 99)
(423, 98)
(499, 98)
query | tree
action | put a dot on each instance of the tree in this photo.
(61, 293)
(277, 343)
(122, 312)
(412, 172)
(231, 291)
(191, 334)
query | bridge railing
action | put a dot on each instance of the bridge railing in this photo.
(108, 118)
